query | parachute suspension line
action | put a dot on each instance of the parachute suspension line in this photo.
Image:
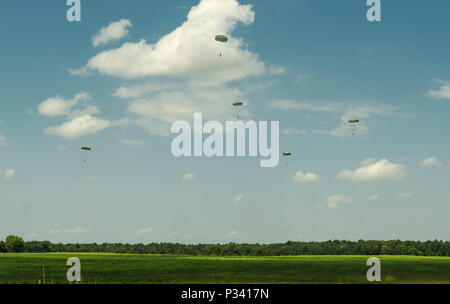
(87, 149)
(353, 122)
(238, 104)
(222, 39)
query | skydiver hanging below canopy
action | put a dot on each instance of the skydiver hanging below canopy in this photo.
(86, 148)
(353, 122)
(223, 39)
(287, 154)
(238, 103)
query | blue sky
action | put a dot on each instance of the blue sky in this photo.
(309, 64)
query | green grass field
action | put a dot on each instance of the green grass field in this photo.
(149, 269)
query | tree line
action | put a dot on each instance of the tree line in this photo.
(336, 247)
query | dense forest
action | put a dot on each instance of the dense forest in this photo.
(336, 247)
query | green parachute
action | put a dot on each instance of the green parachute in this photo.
(354, 122)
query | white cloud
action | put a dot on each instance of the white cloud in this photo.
(77, 230)
(190, 51)
(368, 161)
(80, 126)
(61, 148)
(406, 195)
(373, 171)
(144, 231)
(113, 32)
(347, 111)
(32, 235)
(158, 112)
(336, 200)
(233, 234)
(443, 92)
(277, 70)
(81, 123)
(3, 141)
(238, 198)
(431, 162)
(10, 173)
(79, 72)
(300, 78)
(374, 197)
(288, 104)
(140, 90)
(70, 231)
(301, 177)
(132, 142)
(293, 131)
(58, 106)
(188, 177)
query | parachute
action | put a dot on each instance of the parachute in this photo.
(223, 39)
(86, 148)
(287, 153)
(238, 103)
(353, 122)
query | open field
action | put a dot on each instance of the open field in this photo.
(148, 269)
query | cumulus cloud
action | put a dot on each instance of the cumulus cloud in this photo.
(113, 32)
(293, 131)
(443, 92)
(158, 112)
(300, 78)
(335, 201)
(233, 234)
(188, 177)
(238, 198)
(32, 235)
(277, 70)
(345, 110)
(144, 231)
(80, 126)
(373, 171)
(70, 231)
(3, 141)
(145, 89)
(301, 177)
(58, 106)
(431, 162)
(189, 51)
(132, 142)
(81, 120)
(374, 197)
(289, 104)
(406, 195)
(9, 174)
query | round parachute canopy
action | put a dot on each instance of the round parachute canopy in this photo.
(287, 153)
(353, 120)
(86, 148)
(237, 103)
(221, 38)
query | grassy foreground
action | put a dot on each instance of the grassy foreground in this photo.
(126, 268)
